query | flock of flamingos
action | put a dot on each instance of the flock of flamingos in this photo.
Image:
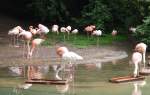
(28, 37)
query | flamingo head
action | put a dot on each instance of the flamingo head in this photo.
(139, 49)
(30, 27)
(61, 50)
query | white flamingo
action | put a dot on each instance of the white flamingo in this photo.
(68, 30)
(141, 47)
(55, 29)
(26, 36)
(36, 42)
(14, 33)
(136, 59)
(63, 30)
(97, 33)
(132, 29)
(42, 30)
(75, 31)
(67, 55)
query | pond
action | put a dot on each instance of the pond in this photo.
(84, 79)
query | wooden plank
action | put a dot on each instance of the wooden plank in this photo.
(126, 79)
(47, 80)
(144, 73)
(39, 81)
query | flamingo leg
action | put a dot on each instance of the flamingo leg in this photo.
(136, 70)
(144, 59)
(28, 48)
(24, 46)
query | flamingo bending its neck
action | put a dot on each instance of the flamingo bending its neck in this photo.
(67, 55)
(141, 48)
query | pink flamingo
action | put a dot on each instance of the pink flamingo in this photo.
(32, 30)
(89, 29)
(136, 59)
(67, 55)
(36, 42)
(141, 47)
(26, 36)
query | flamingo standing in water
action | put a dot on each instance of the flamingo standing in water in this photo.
(136, 59)
(141, 48)
(36, 42)
(26, 36)
(14, 33)
(67, 55)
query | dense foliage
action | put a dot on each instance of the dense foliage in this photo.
(143, 31)
(105, 14)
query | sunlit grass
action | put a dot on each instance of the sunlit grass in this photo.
(82, 41)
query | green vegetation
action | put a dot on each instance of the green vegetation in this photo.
(105, 14)
(82, 41)
(143, 31)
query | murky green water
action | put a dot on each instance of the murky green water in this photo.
(84, 79)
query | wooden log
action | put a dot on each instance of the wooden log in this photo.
(126, 79)
(46, 81)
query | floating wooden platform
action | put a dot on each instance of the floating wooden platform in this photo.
(145, 71)
(46, 81)
(126, 79)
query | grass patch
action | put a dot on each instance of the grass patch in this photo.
(82, 41)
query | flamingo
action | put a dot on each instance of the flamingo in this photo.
(55, 28)
(75, 31)
(27, 36)
(32, 30)
(89, 29)
(136, 59)
(97, 33)
(36, 42)
(67, 55)
(68, 30)
(42, 30)
(15, 32)
(63, 30)
(114, 32)
(132, 29)
(141, 47)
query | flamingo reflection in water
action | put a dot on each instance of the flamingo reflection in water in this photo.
(68, 74)
(137, 85)
(37, 72)
(16, 71)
